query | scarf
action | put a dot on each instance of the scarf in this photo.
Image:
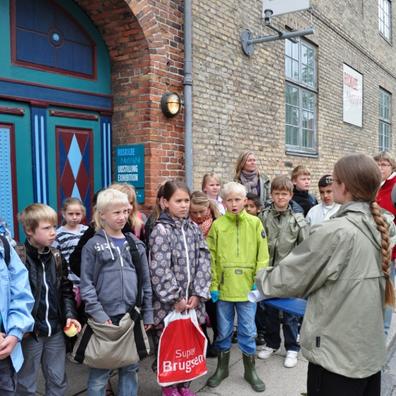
(204, 223)
(251, 181)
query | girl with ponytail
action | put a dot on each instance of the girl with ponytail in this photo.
(343, 271)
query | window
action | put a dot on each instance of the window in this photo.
(385, 116)
(300, 97)
(385, 18)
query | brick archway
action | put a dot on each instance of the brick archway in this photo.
(145, 42)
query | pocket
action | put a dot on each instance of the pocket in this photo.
(109, 284)
(236, 282)
(130, 285)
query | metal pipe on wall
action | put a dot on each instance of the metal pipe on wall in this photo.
(187, 82)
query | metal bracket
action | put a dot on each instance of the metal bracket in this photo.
(248, 41)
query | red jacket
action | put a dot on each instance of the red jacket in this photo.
(385, 201)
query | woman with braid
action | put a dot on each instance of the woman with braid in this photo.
(343, 271)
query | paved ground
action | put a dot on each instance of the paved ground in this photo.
(279, 380)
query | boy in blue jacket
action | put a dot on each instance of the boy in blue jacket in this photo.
(16, 303)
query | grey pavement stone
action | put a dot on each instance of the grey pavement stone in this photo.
(279, 380)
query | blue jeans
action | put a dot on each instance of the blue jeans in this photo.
(246, 312)
(127, 381)
(389, 310)
(272, 329)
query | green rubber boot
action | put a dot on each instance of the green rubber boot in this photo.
(251, 375)
(221, 373)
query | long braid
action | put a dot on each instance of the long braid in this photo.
(383, 228)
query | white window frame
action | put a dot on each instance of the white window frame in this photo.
(301, 86)
(384, 120)
(385, 19)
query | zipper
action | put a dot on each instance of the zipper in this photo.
(122, 272)
(237, 226)
(46, 301)
(187, 261)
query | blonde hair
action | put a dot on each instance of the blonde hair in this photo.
(282, 183)
(233, 187)
(300, 170)
(362, 179)
(127, 189)
(73, 201)
(199, 198)
(207, 176)
(107, 198)
(385, 156)
(31, 216)
(240, 163)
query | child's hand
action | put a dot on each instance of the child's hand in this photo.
(7, 344)
(215, 295)
(193, 302)
(181, 305)
(76, 323)
(2, 336)
(147, 327)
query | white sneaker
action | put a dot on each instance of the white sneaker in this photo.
(291, 359)
(265, 353)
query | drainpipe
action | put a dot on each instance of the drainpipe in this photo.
(187, 82)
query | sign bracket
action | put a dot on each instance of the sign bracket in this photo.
(248, 41)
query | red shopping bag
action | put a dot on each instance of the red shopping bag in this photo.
(181, 350)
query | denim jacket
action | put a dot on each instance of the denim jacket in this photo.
(16, 302)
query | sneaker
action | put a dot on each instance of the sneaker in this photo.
(291, 359)
(170, 391)
(265, 353)
(186, 392)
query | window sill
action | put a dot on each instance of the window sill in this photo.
(296, 153)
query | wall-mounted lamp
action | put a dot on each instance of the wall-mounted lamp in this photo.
(171, 104)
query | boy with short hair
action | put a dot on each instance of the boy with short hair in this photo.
(54, 305)
(285, 230)
(253, 204)
(238, 247)
(301, 178)
(16, 303)
(327, 207)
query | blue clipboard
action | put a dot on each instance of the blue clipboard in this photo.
(295, 306)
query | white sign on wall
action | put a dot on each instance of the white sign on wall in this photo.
(353, 96)
(280, 7)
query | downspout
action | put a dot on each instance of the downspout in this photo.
(187, 82)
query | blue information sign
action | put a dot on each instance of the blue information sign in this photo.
(130, 167)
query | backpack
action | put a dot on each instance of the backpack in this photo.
(7, 249)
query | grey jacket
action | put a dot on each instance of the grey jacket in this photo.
(338, 268)
(109, 281)
(171, 272)
(285, 230)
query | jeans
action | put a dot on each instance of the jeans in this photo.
(389, 310)
(127, 381)
(272, 329)
(7, 378)
(50, 353)
(246, 312)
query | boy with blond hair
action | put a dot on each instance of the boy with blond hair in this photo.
(285, 230)
(238, 247)
(54, 305)
(301, 178)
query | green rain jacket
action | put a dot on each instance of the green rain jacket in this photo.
(285, 230)
(238, 248)
(338, 268)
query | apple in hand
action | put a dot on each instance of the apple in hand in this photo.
(70, 330)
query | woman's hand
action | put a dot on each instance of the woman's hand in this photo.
(181, 305)
(193, 302)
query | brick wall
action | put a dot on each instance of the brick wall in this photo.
(145, 43)
(239, 101)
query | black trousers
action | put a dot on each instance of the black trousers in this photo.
(325, 383)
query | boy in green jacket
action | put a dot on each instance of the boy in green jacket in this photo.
(238, 247)
(285, 230)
